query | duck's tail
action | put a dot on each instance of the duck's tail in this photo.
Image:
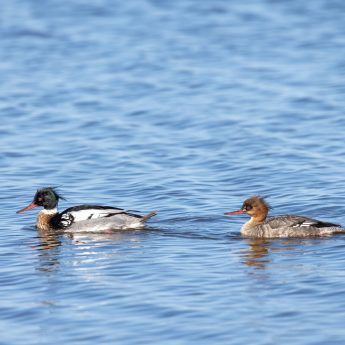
(148, 216)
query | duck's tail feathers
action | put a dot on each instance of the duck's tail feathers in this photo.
(148, 216)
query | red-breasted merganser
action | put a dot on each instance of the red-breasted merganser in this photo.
(82, 218)
(280, 226)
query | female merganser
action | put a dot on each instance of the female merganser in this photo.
(280, 226)
(81, 218)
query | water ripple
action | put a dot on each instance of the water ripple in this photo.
(186, 108)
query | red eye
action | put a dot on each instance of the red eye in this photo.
(39, 199)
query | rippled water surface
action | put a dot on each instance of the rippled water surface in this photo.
(186, 107)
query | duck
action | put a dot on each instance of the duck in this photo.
(82, 218)
(259, 226)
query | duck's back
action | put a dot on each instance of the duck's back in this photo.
(294, 226)
(96, 218)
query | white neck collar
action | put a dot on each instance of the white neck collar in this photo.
(52, 211)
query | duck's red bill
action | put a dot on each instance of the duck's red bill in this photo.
(32, 205)
(235, 212)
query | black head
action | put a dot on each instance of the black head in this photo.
(48, 198)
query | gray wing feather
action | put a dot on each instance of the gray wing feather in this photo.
(291, 221)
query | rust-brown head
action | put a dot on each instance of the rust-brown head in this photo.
(255, 207)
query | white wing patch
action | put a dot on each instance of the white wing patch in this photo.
(305, 224)
(91, 213)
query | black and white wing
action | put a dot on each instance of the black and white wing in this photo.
(89, 212)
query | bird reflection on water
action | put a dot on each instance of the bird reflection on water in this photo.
(49, 239)
(259, 252)
(51, 243)
(48, 250)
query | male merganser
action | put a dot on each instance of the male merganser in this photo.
(280, 226)
(82, 218)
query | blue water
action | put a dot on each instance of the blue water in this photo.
(186, 107)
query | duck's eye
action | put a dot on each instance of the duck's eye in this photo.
(247, 207)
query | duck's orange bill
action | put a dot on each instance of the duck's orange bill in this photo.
(235, 212)
(32, 205)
